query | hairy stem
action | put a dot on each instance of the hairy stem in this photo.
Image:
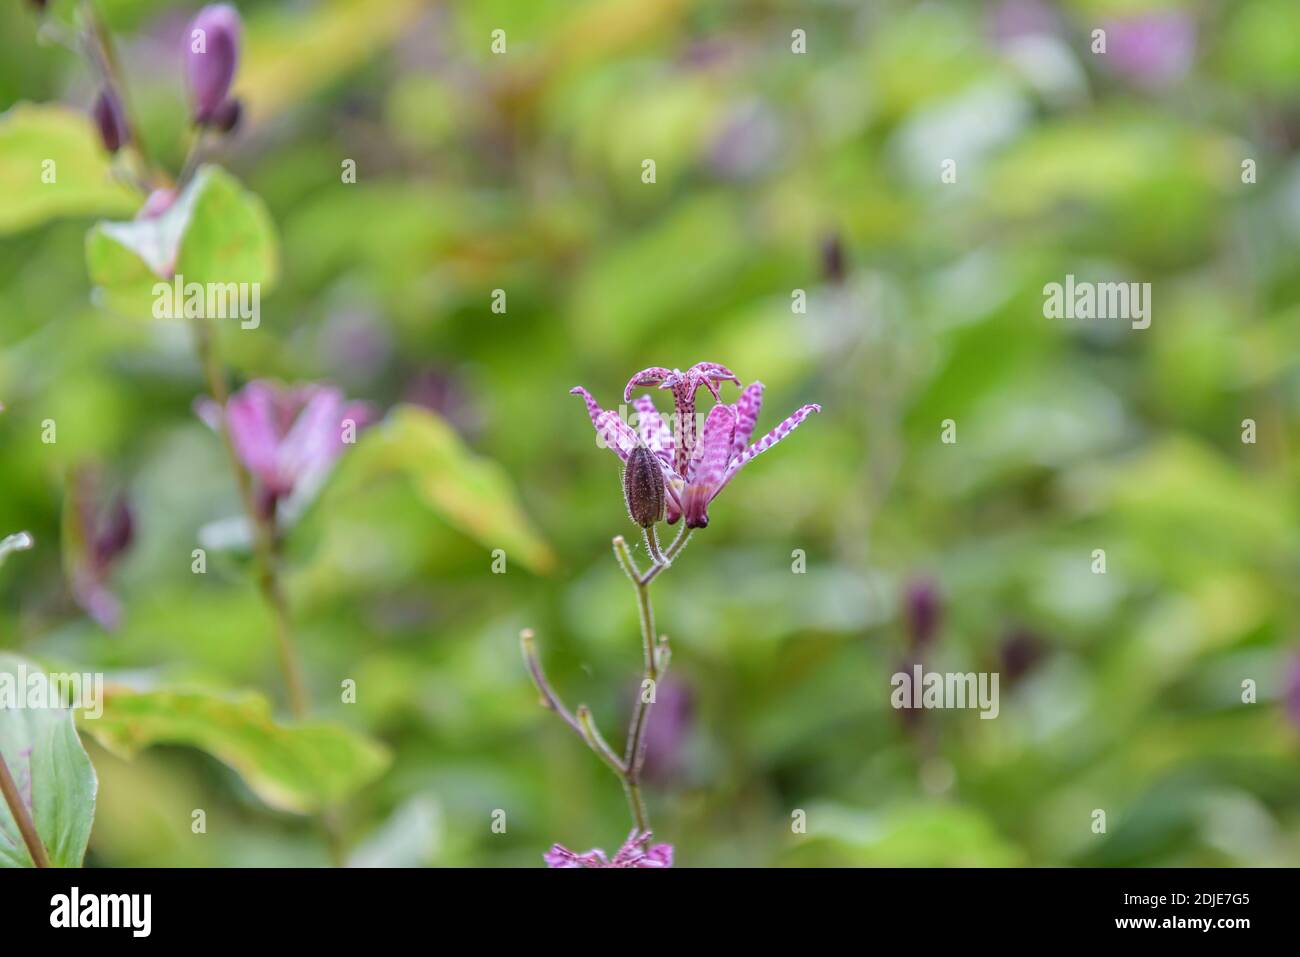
(263, 531)
(26, 826)
(655, 656)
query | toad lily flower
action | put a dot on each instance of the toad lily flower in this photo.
(694, 471)
(635, 852)
(287, 437)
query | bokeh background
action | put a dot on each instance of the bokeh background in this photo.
(775, 172)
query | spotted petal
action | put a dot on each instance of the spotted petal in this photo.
(709, 374)
(654, 432)
(651, 376)
(708, 464)
(747, 409)
(766, 442)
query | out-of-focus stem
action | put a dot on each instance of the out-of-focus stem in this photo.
(264, 551)
(26, 826)
(100, 50)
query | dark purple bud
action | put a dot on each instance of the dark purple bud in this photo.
(1020, 651)
(211, 56)
(643, 487)
(923, 610)
(39, 4)
(1291, 692)
(226, 116)
(110, 120)
(833, 258)
(114, 534)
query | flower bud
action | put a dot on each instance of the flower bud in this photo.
(643, 487)
(211, 55)
(924, 611)
(226, 117)
(110, 120)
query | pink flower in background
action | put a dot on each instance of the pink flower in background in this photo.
(1153, 49)
(695, 470)
(288, 437)
(635, 852)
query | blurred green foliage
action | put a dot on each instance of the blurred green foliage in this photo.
(522, 172)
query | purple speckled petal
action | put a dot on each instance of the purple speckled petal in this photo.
(616, 434)
(766, 442)
(709, 374)
(651, 376)
(747, 408)
(654, 432)
(708, 464)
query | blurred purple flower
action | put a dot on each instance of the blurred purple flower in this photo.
(211, 57)
(635, 852)
(694, 471)
(102, 534)
(110, 120)
(924, 611)
(288, 437)
(1152, 49)
(666, 735)
(1013, 19)
(1019, 651)
(1291, 692)
(748, 142)
(157, 203)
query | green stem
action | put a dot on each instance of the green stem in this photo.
(655, 660)
(263, 532)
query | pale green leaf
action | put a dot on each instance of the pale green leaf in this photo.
(34, 136)
(215, 232)
(299, 767)
(50, 767)
(471, 493)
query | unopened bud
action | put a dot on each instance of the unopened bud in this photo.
(226, 117)
(643, 487)
(110, 120)
(211, 56)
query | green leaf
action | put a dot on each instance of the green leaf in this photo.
(52, 771)
(300, 767)
(471, 493)
(82, 185)
(215, 232)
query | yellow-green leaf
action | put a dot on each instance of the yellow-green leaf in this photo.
(298, 767)
(51, 165)
(470, 492)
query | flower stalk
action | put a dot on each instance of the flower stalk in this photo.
(261, 527)
(655, 656)
(26, 826)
